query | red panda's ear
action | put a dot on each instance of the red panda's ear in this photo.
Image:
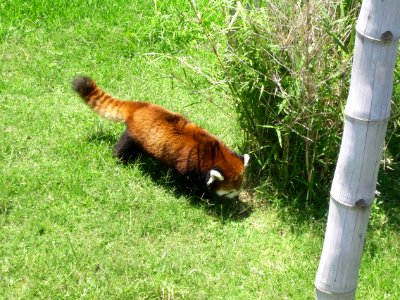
(214, 175)
(246, 159)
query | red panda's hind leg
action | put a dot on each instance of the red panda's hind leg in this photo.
(126, 150)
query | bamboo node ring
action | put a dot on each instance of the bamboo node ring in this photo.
(351, 118)
(359, 204)
(385, 37)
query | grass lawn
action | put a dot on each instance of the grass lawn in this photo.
(74, 223)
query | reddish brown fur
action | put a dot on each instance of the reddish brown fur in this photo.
(167, 136)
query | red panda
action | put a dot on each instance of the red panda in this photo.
(169, 138)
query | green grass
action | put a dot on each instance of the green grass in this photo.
(76, 224)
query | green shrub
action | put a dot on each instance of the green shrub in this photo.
(287, 66)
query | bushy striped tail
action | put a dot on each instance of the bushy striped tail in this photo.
(104, 104)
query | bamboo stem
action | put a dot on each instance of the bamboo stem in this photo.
(366, 117)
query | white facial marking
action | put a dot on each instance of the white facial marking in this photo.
(246, 159)
(214, 176)
(232, 195)
(229, 194)
(221, 192)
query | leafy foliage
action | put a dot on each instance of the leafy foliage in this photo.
(287, 66)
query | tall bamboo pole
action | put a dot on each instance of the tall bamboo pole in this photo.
(366, 116)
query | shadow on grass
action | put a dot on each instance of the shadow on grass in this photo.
(102, 137)
(388, 202)
(222, 208)
(5, 207)
(298, 213)
(291, 207)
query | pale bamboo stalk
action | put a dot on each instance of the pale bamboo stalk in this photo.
(366, 116)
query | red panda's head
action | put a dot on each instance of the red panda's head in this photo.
(226, 180)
